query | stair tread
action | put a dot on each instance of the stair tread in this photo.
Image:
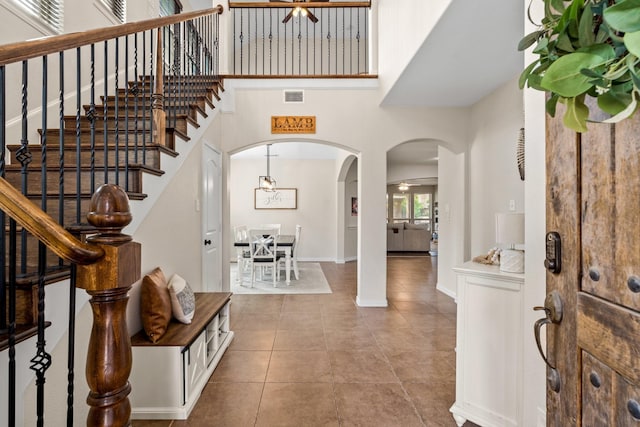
(98, 146)
(23, 333)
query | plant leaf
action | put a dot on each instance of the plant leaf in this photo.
(603, 50)
(626, 113)
(624, 16)
(613, 103)
(585, 28)
(529, 40)
(525, 74)
(551, 104)
(632, 42)
(542, 46)
(564, 75)
(576, 115)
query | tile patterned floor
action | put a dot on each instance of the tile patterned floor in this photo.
(319, 360)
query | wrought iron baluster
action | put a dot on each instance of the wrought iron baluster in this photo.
(300, 46)
(78, 139)
(61, 147)
(116, 162)
(241, 41)
(23, 155)
(13, 261)
(126, 114)
(92, 116)
(3, 241)
(134, 90)
(270, 41)
(146, 102)
(105, 113)
(71, 355)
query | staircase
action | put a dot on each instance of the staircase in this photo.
(90, 155)
(121, 155)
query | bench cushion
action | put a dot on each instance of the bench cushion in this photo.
(155, 304)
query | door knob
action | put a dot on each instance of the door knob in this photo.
(207, 242)
(553, 315)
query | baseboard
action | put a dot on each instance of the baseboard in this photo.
(371, 303)
(447, 292)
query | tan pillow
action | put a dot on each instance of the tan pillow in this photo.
(155, 304)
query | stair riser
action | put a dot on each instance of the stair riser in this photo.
(169, 109)
(32, 254)
(69, 138)
(141, 123)
(34, 185)
(26, 306)
(200, 101)
(150, 157)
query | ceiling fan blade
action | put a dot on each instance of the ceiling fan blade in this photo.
(288, 17)
(311, 16)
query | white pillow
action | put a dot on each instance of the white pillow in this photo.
(183, 301)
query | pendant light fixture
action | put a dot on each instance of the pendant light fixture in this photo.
(403, 186)
(267, 183)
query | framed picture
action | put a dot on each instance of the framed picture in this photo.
(354, 206)
(282, 198)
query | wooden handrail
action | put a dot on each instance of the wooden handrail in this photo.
(310, 4)
(45, 228)
(20, 51)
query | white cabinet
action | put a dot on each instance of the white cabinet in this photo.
(489, 343)
(167, 377)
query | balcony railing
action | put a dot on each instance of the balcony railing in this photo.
(310, 39)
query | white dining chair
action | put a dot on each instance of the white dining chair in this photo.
(294, 253)
(276, 226)
(264, 252)
(240, 234)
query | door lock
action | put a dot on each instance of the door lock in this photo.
(553, 246)
(553, 314)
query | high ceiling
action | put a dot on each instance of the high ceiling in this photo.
(471, 51)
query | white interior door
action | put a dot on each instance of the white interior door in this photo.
(212, 219)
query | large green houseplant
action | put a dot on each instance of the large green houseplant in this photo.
(587, 48)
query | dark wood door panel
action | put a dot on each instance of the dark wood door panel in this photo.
(610, 333)
(608, 398)
(610, 200)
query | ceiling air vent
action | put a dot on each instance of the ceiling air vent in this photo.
(293, 96)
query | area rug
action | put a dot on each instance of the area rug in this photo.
(311, 281)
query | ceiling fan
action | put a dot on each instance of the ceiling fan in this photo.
(299, 10)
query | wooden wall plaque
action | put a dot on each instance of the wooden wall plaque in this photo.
(293, 124)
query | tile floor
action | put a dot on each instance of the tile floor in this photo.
(319, 360)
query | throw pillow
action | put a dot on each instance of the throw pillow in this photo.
(183, 300)
(155, 304)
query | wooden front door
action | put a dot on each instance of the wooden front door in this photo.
(593, 203)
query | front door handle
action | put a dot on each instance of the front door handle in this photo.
(207, 242)
(553, 315)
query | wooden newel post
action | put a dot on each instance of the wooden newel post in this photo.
(108, 282)
(157, 97)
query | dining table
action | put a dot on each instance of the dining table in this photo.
(284, 242)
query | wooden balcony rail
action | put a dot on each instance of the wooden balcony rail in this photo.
(301, 40)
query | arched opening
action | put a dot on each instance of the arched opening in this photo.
(313, 172)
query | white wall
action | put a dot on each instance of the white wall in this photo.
(493, 175)
(315, 181)
(535, 226)
(402, 30)
(452, 225)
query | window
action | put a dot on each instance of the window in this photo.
(401, 207)
(48, 11)
(421, 208)
(170, 7)
(117, 7)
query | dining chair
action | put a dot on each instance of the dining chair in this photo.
(294, 252)
(276, 226)
(240, 234)
(264, 252)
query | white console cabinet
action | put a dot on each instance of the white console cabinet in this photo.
(489, 341)
(167, 377)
